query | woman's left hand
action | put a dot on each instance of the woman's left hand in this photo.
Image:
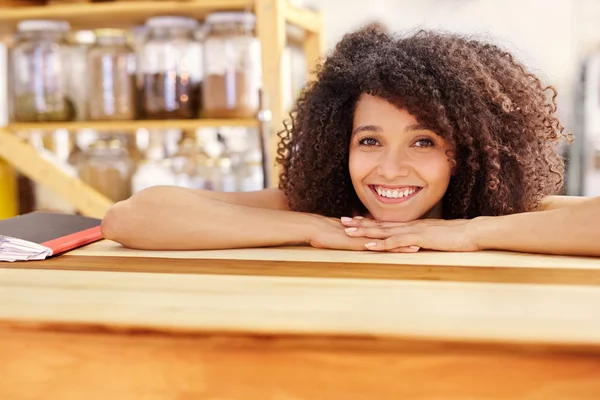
(409, 237)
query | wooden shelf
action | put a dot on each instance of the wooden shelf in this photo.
(132, 126)
(25, 159)
(277, 23)
(304, 18)
(125, 14)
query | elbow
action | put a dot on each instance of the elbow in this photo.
(131, 222)
(117, 224)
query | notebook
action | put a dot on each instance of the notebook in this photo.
(39, 235)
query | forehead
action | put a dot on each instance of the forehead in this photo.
(377, 111)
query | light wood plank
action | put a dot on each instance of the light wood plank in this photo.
(304, 18)
(500, 267)
(467, 312)
(25, 159)
(270, 29)
(116, 14)
(481, 259)
(133, 126)
(314, 48)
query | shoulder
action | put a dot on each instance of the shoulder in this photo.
(271, 198)
(556, 202)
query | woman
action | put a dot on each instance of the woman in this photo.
(428, 141)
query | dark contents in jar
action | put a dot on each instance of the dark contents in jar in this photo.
(48, 108)
(229, 96)
(170, 96)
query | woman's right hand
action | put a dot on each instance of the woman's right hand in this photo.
(329, 233)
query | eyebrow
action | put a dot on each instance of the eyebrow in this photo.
(415, 127)
(367, 128)
(377, 128)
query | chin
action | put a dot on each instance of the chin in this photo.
(395, 216)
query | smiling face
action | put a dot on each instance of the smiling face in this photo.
(400, 171)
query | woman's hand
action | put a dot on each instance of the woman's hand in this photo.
(409, 237)
(329, 233)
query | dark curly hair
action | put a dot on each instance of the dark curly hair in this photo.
(498, 118)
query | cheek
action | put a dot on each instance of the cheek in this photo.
(436, 170)
(359, 165)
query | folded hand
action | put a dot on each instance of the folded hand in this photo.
(409, 237)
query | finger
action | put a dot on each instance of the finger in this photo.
(393, 242)
(371, 223)
(348, 221)
(410, 249)
(377, 232)
(360, 221)
(353, 244)
(373, 233)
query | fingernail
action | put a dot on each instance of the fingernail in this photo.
(414, 247)
(346, 219)
(370, 244)
(358, 217)
(350, 229)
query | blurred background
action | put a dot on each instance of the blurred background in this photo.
(72, 84)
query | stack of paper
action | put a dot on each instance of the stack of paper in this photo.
(13, 249)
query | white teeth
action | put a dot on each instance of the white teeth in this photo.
(395, 193)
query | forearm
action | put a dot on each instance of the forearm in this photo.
(571, 230)
(180, 219)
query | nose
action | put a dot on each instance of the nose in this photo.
(392, 166)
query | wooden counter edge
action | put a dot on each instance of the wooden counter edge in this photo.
(497, 274)
(316, 341)
(68, 362)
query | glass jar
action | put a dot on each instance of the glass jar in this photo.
(154, 169)
(107, 167)
(171, 69)
(77, 52)
(111, 78)
(232, 66)
(39, 92)
(188, 162)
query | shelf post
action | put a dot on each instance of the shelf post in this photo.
(314, 47)
(270, 29)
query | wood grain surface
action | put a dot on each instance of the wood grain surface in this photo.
(304, 306)
(308, 262)
(99, 366)
(66, 335)
(279, 324)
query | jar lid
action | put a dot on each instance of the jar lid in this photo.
(231, 17)
(33, 25)
(81, 37)
(171, 22)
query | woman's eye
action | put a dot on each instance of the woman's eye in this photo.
(424, 143)
(368, 142)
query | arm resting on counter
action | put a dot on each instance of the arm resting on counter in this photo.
(563, 226)
(174, 218)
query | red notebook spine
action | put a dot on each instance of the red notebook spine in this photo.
(74, 240)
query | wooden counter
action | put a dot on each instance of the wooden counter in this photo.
(302, 324)
(485, 266)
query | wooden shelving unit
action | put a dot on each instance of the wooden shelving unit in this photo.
(272, 18)
(132, 126)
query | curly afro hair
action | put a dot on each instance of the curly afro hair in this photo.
(497, 116)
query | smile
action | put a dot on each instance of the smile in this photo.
(394, 195)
